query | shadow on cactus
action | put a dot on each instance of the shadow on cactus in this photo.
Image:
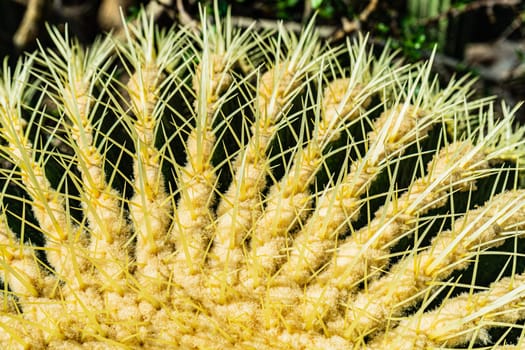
(232, 189)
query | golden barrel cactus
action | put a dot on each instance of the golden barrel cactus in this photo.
(230, 189)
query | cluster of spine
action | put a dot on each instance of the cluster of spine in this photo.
(277, 197)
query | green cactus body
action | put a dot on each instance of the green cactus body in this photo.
(229, 189)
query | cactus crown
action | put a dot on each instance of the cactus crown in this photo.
(231, 189)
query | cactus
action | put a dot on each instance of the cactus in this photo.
(234, 189)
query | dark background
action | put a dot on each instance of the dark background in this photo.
(484, 38)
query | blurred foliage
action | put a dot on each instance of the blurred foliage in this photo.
(414, 26)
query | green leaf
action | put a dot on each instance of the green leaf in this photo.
(316, 3)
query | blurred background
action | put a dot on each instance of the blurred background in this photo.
(484, 38)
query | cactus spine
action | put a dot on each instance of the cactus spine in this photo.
(230, 189)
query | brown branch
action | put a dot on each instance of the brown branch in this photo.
(108, 15)
(371, 7)
(31, 23)
(184, 18)
(354, 25)
(325, 31)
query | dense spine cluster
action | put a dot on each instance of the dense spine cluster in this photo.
(235, 189)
